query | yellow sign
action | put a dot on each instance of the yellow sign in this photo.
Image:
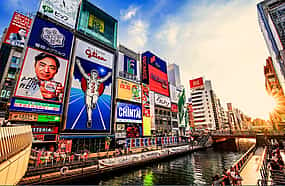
(21, 116)
(146, 126)
(96, 24)
(129, 91)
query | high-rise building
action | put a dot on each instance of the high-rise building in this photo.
(202, 104)
(271, 14)
(173, 71)
(273, 88)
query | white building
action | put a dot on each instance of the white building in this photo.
(202, 104)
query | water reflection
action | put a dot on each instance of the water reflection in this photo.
(194, 168)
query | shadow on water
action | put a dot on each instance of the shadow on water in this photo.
(193, 168)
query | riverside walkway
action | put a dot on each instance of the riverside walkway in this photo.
(250, 172)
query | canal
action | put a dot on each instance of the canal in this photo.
(193, 168)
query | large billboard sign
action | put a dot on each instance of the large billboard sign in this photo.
(51, 38)
(129, 113)
(42, 77)
(128, 91)
(146, 110)
(90, 100)
(24, 116)
(63, 11)
(96, 23)
(128, 68)
(154, 73)
(162, 100)
(196, 83)
(152, 109)
(18, 30)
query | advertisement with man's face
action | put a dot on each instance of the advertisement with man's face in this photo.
(18, 30)
(63, 11)
(42, 76)
(90, 100)
(51, 38)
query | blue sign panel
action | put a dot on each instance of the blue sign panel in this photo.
(35, 106)
(130, 65)
(155, 61)
(51, 38)
(129, 113)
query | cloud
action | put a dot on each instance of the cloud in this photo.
(222, 41)
(129, 13)
(135, 34)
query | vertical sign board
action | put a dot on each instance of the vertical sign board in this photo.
(94, 22)
(44, 69)
(146, 110)
(18, 30)
(128, 68)
(90, 101)
(152, 109)
(64, 11)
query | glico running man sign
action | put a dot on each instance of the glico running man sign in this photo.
(89, 105)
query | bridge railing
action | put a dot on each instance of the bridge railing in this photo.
(239, 164)
(14, 139)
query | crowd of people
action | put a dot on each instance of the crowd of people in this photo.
(231, 177)
(43, 157)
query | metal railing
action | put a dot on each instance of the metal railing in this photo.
(14, 139)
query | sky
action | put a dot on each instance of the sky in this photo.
(219, 40)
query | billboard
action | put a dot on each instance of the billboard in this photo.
(34, 106)
(44, 130)
(158, 81)
(155, 61)
(152, 109)
(129, 113)
(174, 108)
(96, 23)
(162, 100)
(64, 12)
(230, 106)
(42, 76)
(128, 68)
(128, 91)
(145, 75)
(18, 30)
(146, 110)
(51, 38)
(90, 100)
(24, 116)
(196, 83)
(174, 94)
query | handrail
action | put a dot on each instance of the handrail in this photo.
(14, 139)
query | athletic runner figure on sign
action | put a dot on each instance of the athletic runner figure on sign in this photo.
(93, 88)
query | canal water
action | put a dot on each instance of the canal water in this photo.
(193, 168)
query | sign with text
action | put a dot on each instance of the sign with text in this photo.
(51, 38)
(22, 116)
(155, 61)
(129, 113)
(162, 100)
(44, 130)
(128, 91)
(64, 12)
(158, 81)
(18, 30)
(174, 94)
(90, 99)
(145, 75)
(128, 68)
(146, 110)
(94, 22)
(34, 106)
(42, 77)
(196, 83)
(152, 109)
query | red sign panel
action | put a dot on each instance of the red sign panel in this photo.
(18, 30)
(44, 130)
(230, 106)
(158, 81)
(174, 108)
(195, 83)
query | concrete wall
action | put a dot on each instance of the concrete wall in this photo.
(13, 169)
